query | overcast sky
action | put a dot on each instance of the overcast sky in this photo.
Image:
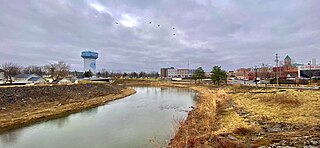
(230, 33)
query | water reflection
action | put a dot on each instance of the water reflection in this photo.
(61, 122)
(89, 113)
(129, 122)
(10, 138)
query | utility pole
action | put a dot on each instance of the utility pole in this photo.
(256, 75)
(310, 74)
(277, 66)
(244, 76)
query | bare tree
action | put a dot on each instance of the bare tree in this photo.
(33, 70)
(11, 69)
(57, 70)
(104, 73)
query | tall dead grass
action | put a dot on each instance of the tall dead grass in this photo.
(199, 128)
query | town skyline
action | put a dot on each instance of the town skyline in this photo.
(187, 66)
(145, 36)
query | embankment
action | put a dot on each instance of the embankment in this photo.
(21, 106)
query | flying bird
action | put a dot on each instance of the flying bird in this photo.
(158, 25)
(173, 28)
(149, 22)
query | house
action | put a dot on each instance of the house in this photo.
(28, 78)
(2, 78)
(37, 80)
(62, 81)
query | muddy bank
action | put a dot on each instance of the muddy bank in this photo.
(21, 106)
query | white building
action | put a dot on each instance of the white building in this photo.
(2, 78)
(172, 73)
(179, 73)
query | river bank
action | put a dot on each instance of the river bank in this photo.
(251, 117)
(233, 116)
(22, 106)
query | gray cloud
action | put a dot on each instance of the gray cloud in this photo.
(229, 33)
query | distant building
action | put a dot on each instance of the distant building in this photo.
(287, 71)
(231, 74)
(176, 73)
(29, 78)
(244, 74)
(183, 73)
(264, 73)
(308, 71)
(163, 73)
(313, 62)
(2, 78)
(172, 73)
(287, 61)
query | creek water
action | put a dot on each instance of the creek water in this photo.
(144, 119)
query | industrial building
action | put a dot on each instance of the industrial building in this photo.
(89, 61)
(309, 71)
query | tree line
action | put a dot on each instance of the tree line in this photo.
(105, 73)
(61, 69)
(54, 70)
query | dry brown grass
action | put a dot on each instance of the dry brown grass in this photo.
(289, 106)
(198, 129)
(283, 99)
(242, 131)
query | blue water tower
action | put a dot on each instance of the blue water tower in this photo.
(89, 60)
